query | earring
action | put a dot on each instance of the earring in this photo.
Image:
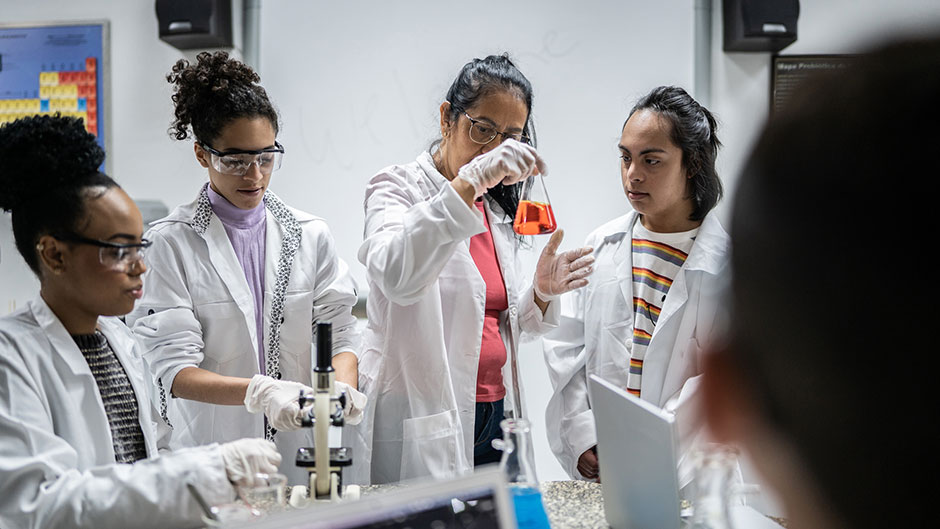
(40, 247)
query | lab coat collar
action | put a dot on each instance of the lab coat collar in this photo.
(122, 345)
(434, 177)
(186, 213)
(62, 341)
(711, 246)
(58, 336)
(495, 215)
(707, 255)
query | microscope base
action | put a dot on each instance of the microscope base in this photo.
(300, 494)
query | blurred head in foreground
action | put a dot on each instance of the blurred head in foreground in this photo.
(825, 375)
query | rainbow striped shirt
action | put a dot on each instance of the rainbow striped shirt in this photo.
(657, 258)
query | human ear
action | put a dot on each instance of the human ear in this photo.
(51, 253)
(445, 119)
(201, 155)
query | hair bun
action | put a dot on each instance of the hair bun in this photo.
(40, 153)
(201, 86)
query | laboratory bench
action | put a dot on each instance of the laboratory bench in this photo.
(569, 504)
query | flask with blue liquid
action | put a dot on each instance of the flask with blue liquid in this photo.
(518, 464)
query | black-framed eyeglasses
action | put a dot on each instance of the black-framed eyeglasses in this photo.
(482, 132)
(237, 162)
(113, 255)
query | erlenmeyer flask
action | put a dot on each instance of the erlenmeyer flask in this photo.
(518, 464)
(713, 487)
(534, 215)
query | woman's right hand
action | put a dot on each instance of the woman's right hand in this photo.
(278, 399)
(510, 162)
(246, 457)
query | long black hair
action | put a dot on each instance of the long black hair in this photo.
(477, 79)
(694, 131)
(48, 170)
(212, 92)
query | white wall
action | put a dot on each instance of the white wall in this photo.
(358, 84)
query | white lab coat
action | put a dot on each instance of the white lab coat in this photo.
(197, 311)
(57, 466)
(421, 347)
(597, 328)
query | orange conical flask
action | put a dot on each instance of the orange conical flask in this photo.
(534, 215)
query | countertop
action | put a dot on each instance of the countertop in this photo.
(569, 504)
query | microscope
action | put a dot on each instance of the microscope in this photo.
(324, 464)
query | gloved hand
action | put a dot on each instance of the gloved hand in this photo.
(278, 400)
(556, 274)
(508, 163)
(246, 457)
(355, 402)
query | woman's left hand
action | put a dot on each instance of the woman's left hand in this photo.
(557, 273)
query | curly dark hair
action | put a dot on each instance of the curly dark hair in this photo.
(48, 168)
(214, 91)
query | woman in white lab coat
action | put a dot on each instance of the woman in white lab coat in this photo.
(653, 299)
(238, 278)
(447, 300)
(78, 442)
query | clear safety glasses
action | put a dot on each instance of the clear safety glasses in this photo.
(119, 257)
(483, 132)
(238, 162)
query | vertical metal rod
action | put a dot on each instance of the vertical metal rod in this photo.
(251, 33)
(702, 66)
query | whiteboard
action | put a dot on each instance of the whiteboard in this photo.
(358, 85)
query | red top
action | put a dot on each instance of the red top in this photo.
(490, 386)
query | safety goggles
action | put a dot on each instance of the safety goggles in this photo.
(239, 162)
(115, 256)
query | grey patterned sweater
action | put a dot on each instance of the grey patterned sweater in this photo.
(120, 402)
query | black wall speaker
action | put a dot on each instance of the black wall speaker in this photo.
(194, 24)
(759, 25)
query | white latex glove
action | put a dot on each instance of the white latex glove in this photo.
(355, 402)
(556, 274)
(246, 457)
(510, 162)
(277, 399)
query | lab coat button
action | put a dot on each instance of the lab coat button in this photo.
(512, 311)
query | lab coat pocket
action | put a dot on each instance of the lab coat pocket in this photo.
(223, 325)
(429, 445)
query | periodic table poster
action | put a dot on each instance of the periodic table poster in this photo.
(56, 67)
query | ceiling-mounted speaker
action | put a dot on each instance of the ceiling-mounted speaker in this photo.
(194, 24)
(759, 25)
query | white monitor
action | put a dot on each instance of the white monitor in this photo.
(636, 451)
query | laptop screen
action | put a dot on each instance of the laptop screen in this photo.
(473, 509)
(479, 500)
